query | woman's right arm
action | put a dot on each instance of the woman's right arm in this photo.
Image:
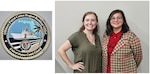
(62, 52)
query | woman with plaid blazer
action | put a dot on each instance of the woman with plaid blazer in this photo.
(122, 51)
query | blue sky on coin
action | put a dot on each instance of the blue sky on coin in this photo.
(22, 23)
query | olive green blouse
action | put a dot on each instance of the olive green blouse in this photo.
(84, 51)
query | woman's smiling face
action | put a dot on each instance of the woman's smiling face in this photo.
(116, 21)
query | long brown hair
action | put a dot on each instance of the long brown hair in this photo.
(109, 28)
(82, 27)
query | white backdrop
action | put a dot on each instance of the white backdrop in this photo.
(68, 17)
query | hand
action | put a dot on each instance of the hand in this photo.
(78, 66)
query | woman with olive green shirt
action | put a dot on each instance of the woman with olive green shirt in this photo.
(86, 52)
(86, 47)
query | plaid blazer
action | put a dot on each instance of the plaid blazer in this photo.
(126, 56)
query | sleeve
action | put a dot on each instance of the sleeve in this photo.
(136, 48)
(74, 40)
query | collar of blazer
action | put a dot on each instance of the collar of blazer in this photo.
(120, 43)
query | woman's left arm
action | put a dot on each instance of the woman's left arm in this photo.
(136, 48)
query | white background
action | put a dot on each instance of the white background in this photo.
(33, 66)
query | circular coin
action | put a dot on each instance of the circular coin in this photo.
(25, 35)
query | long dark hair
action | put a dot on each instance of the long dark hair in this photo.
(109, 28)
(82, 27)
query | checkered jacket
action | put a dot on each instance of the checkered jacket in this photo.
(126, 56)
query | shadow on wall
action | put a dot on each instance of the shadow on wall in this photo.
(58, 68)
